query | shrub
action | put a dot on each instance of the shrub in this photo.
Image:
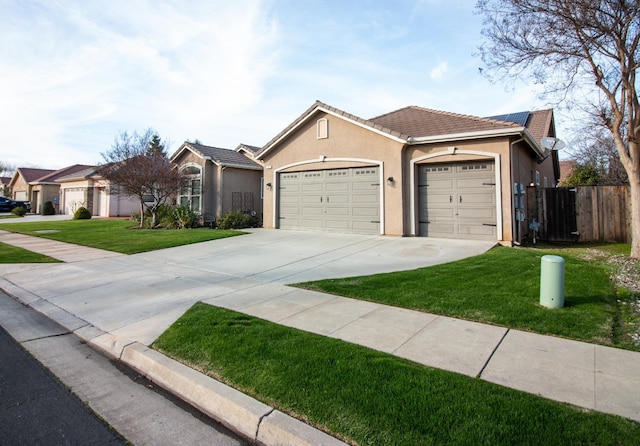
(82, 213)
(234, 220)
(184, 217)
(48, 209)
(20, 211)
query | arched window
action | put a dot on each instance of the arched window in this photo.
(191, 191)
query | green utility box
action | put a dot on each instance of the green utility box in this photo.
(552, 282)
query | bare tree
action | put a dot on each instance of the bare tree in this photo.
(594, 147)
(137, 165)
(588, 47)
(6, 168)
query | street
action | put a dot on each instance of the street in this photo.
(37, 407)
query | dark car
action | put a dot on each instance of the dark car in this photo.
(7, 205)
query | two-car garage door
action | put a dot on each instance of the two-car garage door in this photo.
(341, 200)
(457, 200)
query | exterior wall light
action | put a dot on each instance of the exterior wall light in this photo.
(390, 181)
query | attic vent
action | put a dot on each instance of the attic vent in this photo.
(323, 128)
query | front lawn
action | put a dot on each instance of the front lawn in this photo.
(13, 254)
(501, 287)
(117, 235)
(372, 398)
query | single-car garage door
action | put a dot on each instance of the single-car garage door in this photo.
(457, 200)
(341, 200)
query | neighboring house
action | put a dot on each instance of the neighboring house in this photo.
(566, 169)
(40, 185)
(219, 180)
(87, 189)
(21, 184)
(411, 172)
(4, 186)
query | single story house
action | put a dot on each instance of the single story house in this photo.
(40, 185)
(88, 189)
(219, 180)
(410, 172)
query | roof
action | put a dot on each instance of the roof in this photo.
(219, 156)
(5, 180)
(419, 122)
(65, 171)
(414, 125)
(78, 175)
(250, 150)
(29, 174)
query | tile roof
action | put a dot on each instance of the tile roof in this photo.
(222, 157)
(252, 150)
(54, 175)
(421, 122)
(29, 174)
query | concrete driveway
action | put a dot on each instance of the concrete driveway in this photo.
(139, 296)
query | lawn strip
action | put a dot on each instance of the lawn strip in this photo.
(370, 397)
(14, 254)
(499, 287)
(116, 235)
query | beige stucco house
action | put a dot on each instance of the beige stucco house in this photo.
(410, 172)
(88, 189)
(40, 185)
(219, 180)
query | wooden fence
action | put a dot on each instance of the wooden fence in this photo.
(583, 213)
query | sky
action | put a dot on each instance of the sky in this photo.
(75, 74)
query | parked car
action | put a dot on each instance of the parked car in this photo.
(7, 205)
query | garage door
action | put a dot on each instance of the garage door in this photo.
(457, 200)
(341, 200)
(73, 199)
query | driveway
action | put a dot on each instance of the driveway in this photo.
(139, 296)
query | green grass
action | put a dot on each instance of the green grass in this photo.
(116, 235)
(500, 287)
(373, 398)
(13, 254)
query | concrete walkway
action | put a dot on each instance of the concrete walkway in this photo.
(115, 300)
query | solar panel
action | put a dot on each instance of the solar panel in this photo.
(519, 118)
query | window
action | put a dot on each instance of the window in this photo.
(538, 178)
(191, 191)
(322, 128)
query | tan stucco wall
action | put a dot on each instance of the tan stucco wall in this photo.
(348, 145)
(20, 186)
(219, 182)
(41, 193)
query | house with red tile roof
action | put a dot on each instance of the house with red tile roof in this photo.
(411, 172)
(39, 185)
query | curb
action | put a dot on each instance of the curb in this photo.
(247, 416)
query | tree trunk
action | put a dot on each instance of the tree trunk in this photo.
(141, 215)
(634, 186)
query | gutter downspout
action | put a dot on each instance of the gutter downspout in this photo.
(514, 219)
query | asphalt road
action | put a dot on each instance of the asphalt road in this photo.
(36, 409)
(54, 398)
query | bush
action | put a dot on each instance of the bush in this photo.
(82, 213)
(48, 209)
(234, 220)
(184, 217)
(19, 211)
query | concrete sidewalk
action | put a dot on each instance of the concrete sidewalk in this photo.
(121, 301)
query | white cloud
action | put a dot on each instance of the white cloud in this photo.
(440, 70)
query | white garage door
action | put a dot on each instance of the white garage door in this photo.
(73, 199)
(341, 200)
(457, 200)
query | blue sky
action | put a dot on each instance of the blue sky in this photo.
(73, 74)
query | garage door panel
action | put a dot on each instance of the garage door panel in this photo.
(457, 200)
(340, 200)
(477, 230)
